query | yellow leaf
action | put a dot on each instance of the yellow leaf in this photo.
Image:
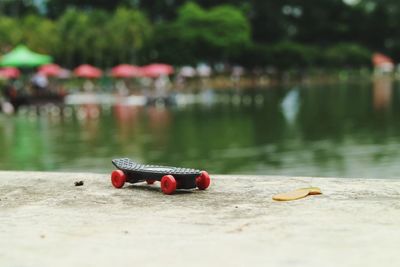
(292, 195)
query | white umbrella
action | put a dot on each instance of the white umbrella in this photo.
(203, 70)
(187, 71)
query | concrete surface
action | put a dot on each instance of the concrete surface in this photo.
(46, 221)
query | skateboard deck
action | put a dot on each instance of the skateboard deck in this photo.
(152, 171)
(183, 178)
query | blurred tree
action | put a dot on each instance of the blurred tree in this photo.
(160, 10)
(72, 26)
(348, 55)
(110, 40)
(40, 34)
(268, 21)
(312, 21)
(167, 10)
(167, 46)
(129, 30)
(96, 40)
(10, 33)
(285, 33)
(380, 25)
(215, 34)
(294, 55)
(15, 8)
(55, 8)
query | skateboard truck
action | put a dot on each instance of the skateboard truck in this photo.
(171, 178)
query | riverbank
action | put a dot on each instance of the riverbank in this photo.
(45, 220)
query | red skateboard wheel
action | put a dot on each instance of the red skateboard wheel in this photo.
(203, 181)
(118, 178)
(150, 181)
(168, 184)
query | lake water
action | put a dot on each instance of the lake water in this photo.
(342, 130)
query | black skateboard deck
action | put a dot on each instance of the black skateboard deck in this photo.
(185, 178)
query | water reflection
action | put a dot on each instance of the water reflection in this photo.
(337, 130)
(291, 105)
(382, 92)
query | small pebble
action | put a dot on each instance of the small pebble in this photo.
(78, 183)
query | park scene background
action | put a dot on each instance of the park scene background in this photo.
(291, 87)
(280, 34)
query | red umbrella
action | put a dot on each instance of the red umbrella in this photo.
(51, 70)
(9, 72)
(157, 69)
(87, 71)
(126, 71)
(379, 59)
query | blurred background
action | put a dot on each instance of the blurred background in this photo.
(289, 87)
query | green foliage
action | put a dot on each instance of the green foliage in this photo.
(129, 30)
(40, 34)
(287, 55)
(285, 34)
(72, 26)
(167, 46)
(257, 55)
(111, 39)
(222, 30)
(348, 55)
(10, 33)
(291, 54)
(218, 34)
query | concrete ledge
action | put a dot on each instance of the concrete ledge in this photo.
(47, 221)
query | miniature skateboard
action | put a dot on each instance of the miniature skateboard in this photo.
(171, 178)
